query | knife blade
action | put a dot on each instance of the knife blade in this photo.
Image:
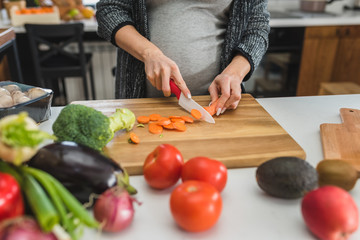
(188, 104)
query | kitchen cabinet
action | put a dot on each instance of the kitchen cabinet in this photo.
(330, 54)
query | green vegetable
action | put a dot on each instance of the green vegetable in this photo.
(68, 199)
(19, 138)
(50, 202)
(87, 126)
(20, 132)
(40, 204)
(49, 187)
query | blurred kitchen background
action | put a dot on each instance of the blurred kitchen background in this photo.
(309, 45)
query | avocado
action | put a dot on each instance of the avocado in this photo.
(338, 173)
(286, 177)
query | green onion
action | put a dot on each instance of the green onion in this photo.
(69, 200)
(40, 204)
(49, 187)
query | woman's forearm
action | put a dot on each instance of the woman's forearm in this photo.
(159, 69)
(129, 39)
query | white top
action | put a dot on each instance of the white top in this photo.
(190, 33)
(248, 213)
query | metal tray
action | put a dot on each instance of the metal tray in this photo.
(37, 108)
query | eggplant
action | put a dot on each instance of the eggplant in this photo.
(81, 169)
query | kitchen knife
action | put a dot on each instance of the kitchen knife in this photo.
(188, 104)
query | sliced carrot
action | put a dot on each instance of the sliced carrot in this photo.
(212, 108)
(177, 120)
(179, 126)
(163, 121)
(174, 117)
(134, 138)
(143, 119)
(196, 113)
(169, 126)
(154, 117)
(187, 119)
(155, 128)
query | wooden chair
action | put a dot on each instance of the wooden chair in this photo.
(337, 88)
(8, 48)
(52, 60)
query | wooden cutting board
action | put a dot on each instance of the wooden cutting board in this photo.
(342, 141)
(244, 137)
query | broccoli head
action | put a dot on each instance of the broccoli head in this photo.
(90, 127)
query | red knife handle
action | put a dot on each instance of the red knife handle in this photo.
(175, 89)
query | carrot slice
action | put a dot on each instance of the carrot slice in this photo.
(155, 128)
(169, 126)
(212, 108)
(154, 117)
(196, 113)
(179, 126)
(174, 117)
(134, 138)
(163, 121)
(143, 119)
(177, 120)
(187, 119)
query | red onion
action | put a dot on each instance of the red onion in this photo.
(23, 228)
(114, 209)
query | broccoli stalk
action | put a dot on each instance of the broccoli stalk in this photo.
(87, 126)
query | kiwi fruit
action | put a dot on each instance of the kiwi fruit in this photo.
(337, 172)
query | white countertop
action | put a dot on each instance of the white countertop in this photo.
(348, 17)
(311, 22)
(340, 18)
(248, 213)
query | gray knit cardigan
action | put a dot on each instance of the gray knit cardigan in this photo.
(247, 33)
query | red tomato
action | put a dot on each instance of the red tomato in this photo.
(207, 170)
(196, 206)
(162, 167)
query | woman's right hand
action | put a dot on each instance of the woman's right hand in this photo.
(160, 69)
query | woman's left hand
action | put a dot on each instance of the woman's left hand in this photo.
(227, 84)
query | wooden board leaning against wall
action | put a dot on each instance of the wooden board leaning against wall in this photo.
(330, 54)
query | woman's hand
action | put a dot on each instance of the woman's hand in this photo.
(160, 69)
(227, 84)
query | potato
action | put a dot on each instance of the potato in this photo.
(3, 91)
(6, 101)
(21, 99)
(35, 92)
(12, 87)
